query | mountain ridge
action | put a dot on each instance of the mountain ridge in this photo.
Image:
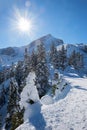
(11, 55)
(14, 54)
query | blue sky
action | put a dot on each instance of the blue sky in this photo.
(65, 19)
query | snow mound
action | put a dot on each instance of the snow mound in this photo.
(29, 92)
(46, 100)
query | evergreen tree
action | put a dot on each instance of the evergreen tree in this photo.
(19, 72)
(26, 62)
(2, 77)
(12, 70)
(2, 97)
(62, 57)
(22, 70)
(17, 119)
(13, 103)
(0, 121)
(41, 71)
(84, 48)
(72, 59)
(79, 61)
(54, 56)
(58, 58)
(33, 61)
(76, 60)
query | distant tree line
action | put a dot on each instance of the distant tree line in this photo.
(60, 60)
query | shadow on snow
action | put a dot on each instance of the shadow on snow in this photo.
(37, 119)
(78, 87)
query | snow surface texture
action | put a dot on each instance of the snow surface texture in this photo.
(46, 100)
(69, 113)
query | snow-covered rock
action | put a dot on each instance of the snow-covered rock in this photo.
(46, 100)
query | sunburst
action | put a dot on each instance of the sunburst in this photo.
(24, 22)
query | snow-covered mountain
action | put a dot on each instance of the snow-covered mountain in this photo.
(47, 40)
(13, 54)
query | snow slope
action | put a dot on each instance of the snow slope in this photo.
(69, 113)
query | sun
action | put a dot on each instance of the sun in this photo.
(24, 24)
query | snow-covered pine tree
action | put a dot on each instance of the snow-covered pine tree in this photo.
(0, 121)
(54, 56)
(76, 59)
(13, 103)
(33, 62)
(19, 72)
(26, 62)
(17, 119)
(2, 97)
(62, 57)
(42, 72)
(72, 60)
(12, 70)
(85, 48)
(55, 82)
(79, 61)
(2, 77)
(26, 55)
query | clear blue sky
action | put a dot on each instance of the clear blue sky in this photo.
(65, 19)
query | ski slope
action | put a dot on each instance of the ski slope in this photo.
(69, 113)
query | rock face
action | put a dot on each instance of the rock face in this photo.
(8, 51)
